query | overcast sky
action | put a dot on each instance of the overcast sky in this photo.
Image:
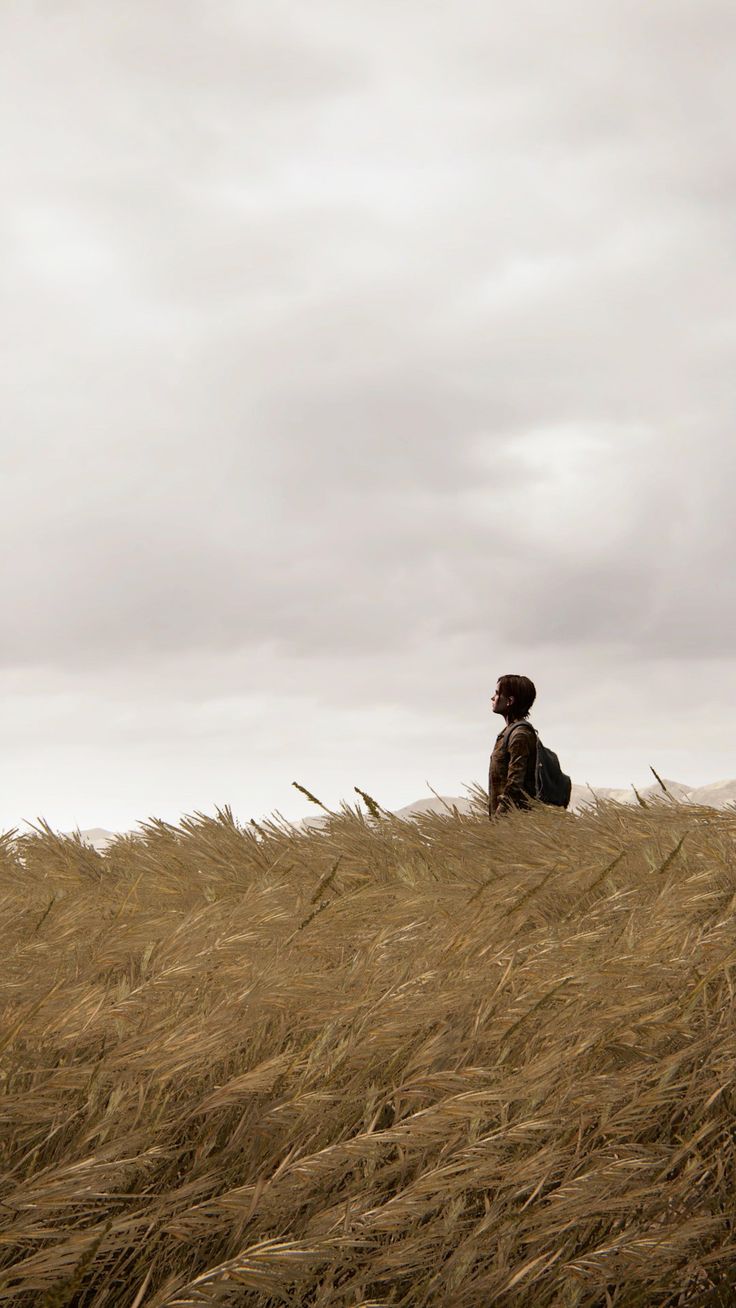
(354, 355)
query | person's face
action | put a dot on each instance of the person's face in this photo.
(501, 703)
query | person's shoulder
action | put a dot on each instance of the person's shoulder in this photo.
(529, 734)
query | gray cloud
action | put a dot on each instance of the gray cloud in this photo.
(378, 341)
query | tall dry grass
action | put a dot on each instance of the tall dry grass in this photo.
(427, 1062)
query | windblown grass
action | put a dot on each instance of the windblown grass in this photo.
(426, 1062)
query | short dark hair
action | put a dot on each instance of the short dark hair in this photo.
(523, 690)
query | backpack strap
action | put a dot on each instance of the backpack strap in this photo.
(510, 729)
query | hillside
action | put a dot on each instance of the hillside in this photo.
(718, 794)
(423, 1063)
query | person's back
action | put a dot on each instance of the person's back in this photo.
(512, 770)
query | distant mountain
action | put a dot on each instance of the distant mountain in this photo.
(98, 837)
(718, 794)
(715, 795)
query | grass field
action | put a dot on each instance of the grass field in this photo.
(430, 1062)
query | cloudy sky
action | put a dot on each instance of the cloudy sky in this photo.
(354, 355)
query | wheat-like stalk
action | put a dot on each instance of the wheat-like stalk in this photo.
(439, 1061)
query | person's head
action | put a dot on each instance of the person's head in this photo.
(513, 697)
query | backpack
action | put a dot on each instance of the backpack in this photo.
(551, 783)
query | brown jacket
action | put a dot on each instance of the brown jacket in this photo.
(511, 775)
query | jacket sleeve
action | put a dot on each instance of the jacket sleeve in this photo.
(521, 745)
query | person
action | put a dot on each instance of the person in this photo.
(511, 775)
